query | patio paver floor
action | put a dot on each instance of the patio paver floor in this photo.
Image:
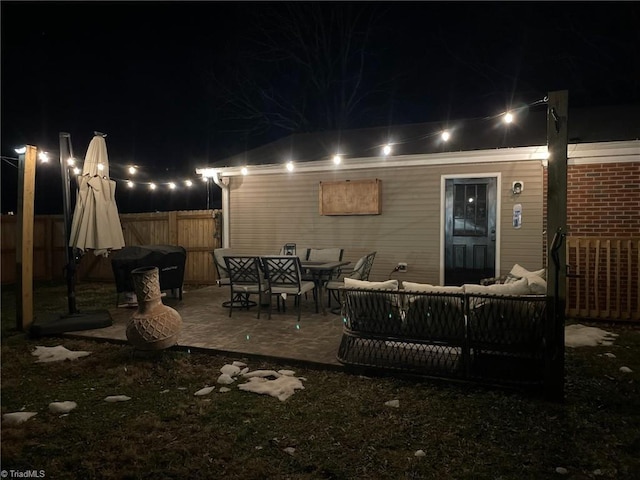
(207, 326)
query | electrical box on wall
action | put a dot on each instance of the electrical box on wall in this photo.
(517, 215)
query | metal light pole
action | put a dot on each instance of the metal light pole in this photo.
(66, 152)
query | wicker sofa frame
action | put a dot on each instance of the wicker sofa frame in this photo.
(492, 339)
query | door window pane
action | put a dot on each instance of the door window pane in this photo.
(470, 209)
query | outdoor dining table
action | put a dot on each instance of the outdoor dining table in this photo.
(319, 271)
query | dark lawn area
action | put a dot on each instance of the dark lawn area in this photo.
(338, 426)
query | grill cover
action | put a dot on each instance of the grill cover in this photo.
(169, 259)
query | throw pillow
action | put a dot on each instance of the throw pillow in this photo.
(537, 284)
(536, 279)
(519, 271)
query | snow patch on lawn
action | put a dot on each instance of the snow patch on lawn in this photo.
(16, 418)
(581, 336)
(56, 354)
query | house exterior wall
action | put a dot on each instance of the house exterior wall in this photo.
(268, 211)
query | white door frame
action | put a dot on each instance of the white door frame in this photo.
(443, 180)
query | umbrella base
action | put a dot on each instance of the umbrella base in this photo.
(54, 325)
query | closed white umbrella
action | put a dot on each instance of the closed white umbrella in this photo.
(96, 223)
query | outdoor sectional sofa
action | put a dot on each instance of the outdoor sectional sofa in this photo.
(497, 334)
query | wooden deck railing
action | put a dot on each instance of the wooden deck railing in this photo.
(606, 285)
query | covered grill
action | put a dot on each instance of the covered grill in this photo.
(169, 259)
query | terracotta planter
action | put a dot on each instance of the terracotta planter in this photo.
(154, 325)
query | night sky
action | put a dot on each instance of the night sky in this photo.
(178, 86)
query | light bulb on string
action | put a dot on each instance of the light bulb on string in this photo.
(76, 171)
(152, 186)
(337, 159)
(172, 186)
(290, 166)
(188, 183)
(130, 184)
(386, 150)
(43, 157)
(244, 171)
(445, 135)
(71, 161)
(508, 117)
(132, 170)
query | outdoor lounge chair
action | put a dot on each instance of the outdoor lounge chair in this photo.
(284, 274)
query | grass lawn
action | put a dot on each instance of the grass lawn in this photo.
(338, 425)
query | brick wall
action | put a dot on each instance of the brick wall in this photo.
(603, 199)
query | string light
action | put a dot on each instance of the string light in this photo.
(387, 149)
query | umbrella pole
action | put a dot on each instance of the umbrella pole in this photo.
(66, 152)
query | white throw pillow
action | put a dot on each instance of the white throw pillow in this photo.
(428, 288)
(520, 271)
(536, 280)
(537, 284)
(387, 285)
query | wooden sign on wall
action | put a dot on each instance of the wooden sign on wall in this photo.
(351, 197)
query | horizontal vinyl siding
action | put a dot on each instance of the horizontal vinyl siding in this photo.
(268, 211)
(523, 245)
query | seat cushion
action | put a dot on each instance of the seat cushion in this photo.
(386, 285)
(427, 288)
(519, 287)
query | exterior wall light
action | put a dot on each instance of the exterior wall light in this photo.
(517, 187)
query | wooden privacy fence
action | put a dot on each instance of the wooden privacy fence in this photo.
(198, 231)
(606, 284)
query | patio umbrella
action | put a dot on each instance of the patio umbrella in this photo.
(96, 224)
